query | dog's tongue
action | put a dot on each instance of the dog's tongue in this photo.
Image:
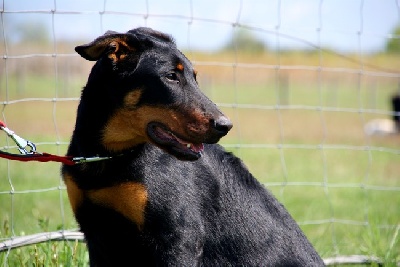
(194, 147)
(168, 136)
(197, 147)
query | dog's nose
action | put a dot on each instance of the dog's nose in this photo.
(222, 125)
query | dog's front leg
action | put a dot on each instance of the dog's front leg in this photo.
(178, 240)
(184, 252)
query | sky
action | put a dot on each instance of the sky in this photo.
(343, 25)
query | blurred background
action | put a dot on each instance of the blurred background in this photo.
(312, 88)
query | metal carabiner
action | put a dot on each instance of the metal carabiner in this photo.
(20, 142)
(32, 148)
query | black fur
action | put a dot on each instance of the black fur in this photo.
(205, 212)
(396, 110)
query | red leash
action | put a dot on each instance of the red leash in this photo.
(33, 155)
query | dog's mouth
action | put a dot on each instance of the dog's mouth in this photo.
(170, 142)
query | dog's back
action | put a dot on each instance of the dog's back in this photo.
(166, 197)
(243, 224)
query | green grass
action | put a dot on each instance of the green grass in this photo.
(345, 199)
(37, 212)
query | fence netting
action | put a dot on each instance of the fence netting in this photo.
(310, 86)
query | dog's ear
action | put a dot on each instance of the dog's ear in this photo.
(109, 43)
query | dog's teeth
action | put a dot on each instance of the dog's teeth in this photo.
(188, 145)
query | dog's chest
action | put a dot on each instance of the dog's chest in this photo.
(128, 198)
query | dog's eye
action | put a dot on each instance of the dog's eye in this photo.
(172, 77)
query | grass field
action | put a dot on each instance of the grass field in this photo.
(299, 131)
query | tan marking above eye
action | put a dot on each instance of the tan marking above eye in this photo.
(180, 67)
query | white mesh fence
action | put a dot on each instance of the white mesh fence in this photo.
(311, 110)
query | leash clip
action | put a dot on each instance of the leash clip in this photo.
(79, 160)
(20, 142)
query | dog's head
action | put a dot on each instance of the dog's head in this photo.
(152, 94)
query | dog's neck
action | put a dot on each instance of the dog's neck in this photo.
(92, 113)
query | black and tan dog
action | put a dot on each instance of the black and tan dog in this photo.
(169, 196)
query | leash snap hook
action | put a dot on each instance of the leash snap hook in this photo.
(20, 142)
(32, 148)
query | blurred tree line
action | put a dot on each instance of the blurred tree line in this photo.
(393, 44)
(25, 32)
(245, 41)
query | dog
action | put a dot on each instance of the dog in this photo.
(168, 194)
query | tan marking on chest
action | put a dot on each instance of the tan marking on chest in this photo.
(129, 199)
(75, 194)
